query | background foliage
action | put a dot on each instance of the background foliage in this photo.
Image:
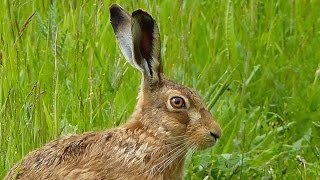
(255, 62)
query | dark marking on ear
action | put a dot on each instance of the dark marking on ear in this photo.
(147, 25)
(146, 43)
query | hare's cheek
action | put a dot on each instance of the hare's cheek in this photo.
(181, 117)
(172, 126)
(194, 115)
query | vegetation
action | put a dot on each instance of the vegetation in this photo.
(257, 64)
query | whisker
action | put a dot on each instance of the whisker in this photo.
(190, 151)
(180, 141)
(165, 156)
(175, 150)
(171, 158)
(175, 143)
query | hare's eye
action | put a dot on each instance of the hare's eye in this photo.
(177, 102)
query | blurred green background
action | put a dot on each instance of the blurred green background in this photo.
(256, 63)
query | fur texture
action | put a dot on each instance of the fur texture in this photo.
(169, 121)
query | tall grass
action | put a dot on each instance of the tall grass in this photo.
(256, 63)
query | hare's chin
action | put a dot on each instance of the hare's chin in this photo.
(206, 145)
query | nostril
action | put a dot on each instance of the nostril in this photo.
(216, 136)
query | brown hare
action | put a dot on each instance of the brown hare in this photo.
(169, 120)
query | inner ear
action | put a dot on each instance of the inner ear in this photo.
(146, 44)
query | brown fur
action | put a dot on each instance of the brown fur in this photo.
(152, 145)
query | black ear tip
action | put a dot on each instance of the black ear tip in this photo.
(144, 19)
(118, 16)
(115, 9)
(114, 6)
(139, 11)
(142, 14)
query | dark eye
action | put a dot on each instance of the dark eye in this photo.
(177, 102)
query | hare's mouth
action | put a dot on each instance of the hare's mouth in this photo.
(206, 142)
(210, 144)
(206, 146)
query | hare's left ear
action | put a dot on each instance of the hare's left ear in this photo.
(121, 23)
(146, 47)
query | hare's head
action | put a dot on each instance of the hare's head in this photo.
(171, 111)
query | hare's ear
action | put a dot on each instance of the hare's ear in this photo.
(146, 47)
(121, 24)
(139, 40)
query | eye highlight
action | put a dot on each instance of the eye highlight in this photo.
(177, 102)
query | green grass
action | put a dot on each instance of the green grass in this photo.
(254, 62)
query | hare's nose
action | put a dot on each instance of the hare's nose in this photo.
(213, 127)
(215, 135)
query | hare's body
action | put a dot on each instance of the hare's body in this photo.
(169, 121)
(102, 156)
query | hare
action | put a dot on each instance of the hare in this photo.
(169, 120)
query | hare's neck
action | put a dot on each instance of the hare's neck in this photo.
(166, 160)
(138, 121)
(161, 158)
(171, 169)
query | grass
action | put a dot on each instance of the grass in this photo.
(255, 62)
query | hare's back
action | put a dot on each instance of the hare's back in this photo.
(75, 155)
